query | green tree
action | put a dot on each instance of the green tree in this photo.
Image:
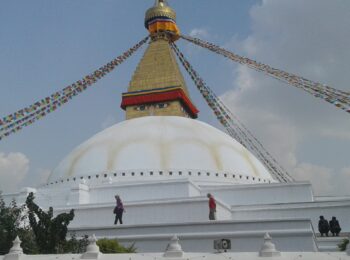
(76, 246)
(28, 244)
(50, 232)
(111, 246)
(342, 246)
(45, 234)
(12, 224)
(10, 218)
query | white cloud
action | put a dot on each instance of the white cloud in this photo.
(325, 181)
(34, 178)
(335, 133)
(341, 182)
(13, 169)
(199, 33)
(309, 39)
(279, 136)
(320, 177)
(37, 178)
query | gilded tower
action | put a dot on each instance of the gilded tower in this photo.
(157, 86)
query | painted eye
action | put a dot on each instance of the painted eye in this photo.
(141, 108)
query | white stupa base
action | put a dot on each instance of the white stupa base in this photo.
(246, 236)
(156, 210)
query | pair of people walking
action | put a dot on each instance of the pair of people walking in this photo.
(333, 226)
(118, 210)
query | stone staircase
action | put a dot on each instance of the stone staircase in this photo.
(329, 244)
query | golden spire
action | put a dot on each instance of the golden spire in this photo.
(157, 87)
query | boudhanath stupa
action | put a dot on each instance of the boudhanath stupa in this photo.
(163, 162)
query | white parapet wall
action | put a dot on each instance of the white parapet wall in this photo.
(81, 193)
(257, 194)
(173, 249)
(147, 212)
(190, 256)
(151, 190)
(311, 210)
(289, 234)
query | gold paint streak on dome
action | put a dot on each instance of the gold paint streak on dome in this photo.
(216, 158)
(77, 156)
(118, 148)
(246, 155)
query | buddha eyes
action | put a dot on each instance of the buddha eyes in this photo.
(141, 108)
(144, 107)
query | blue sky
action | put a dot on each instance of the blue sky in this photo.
(46, 45)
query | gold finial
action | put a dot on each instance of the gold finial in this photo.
(162, 19)
(160, 3)
(160, 8)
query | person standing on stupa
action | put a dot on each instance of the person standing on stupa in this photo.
(118, 210)
(334, 226)
(212, 207)
(323, 226)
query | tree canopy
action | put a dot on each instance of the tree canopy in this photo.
(50, 232)
(42, 233)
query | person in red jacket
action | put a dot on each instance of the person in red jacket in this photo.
(212, 207)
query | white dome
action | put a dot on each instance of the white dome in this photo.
(162, 145)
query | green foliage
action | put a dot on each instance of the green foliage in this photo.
(50, 232)
(342, 246)
(10, 219)
(111, 246)
(45, 234)
(28, 244)
(76, 246)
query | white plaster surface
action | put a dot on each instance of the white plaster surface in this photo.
(288, 234)
(260, 194)
(311, 210)
(164, 142)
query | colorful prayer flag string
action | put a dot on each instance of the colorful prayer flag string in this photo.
(14, 122)
(232, 125)
(339, 98)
